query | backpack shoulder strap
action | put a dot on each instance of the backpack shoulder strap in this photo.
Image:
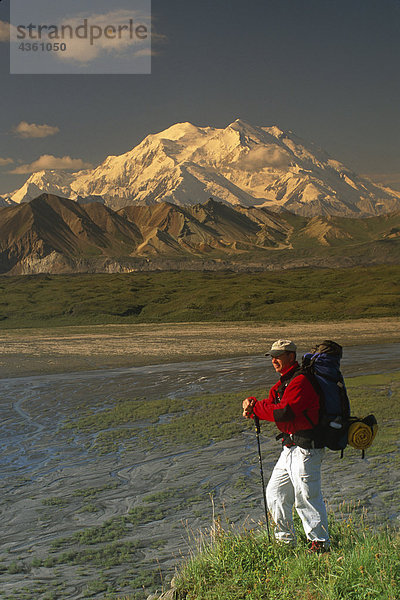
(308, 372)
(284, 382)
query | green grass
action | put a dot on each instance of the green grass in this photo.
(55, 501)
(191, 422)
(362, 565)
(108, 555)
(380, 395)
(94, 492)
(292, 295)
(200, 420)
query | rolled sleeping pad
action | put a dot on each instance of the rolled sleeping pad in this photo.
(362, 432)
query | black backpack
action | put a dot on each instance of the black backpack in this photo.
(322, 367)
(336, 428)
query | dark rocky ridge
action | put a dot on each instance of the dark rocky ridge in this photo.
(57, 235)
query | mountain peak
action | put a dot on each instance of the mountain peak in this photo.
(179, 131)
(241, 123)
(247, 128)
(241, 164)
(244, 127)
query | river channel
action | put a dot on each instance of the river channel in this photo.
(43, 468)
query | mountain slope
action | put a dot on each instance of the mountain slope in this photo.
(204, 228)
(239, 165)
(54, 234)
(50, 224)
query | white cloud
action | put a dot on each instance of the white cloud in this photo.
(5, 161)
(7, 32)
(145, 52)
(48, 161)
(117, 42)
(265, 156)
(4, 31)
(31, 130)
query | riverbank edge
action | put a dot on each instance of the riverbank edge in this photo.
(30, 352)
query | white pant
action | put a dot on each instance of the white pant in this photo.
(296, 480)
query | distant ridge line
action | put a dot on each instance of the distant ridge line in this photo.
(52, 234)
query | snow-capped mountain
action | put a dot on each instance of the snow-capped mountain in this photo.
(239, 165)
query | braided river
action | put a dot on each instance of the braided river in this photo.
(47, 474)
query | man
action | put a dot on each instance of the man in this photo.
(293, 404)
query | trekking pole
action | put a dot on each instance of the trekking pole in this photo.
(257, 425)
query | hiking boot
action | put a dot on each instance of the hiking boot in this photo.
(318, 547)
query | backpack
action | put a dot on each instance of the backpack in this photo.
(336, 428)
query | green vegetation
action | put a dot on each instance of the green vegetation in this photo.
(16, 567)
(94, 492)
(161, 297)
(380, 395)
(362, 565)
(114, 529)
(89, 508)
(202, 419)
(109, 555)
(191, 422)
(55, 501)
(123, 421)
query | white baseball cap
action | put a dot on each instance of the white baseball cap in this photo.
(281, 346)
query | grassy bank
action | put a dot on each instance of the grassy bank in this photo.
(362, 565)
(297, 295)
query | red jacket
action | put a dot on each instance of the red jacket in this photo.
(288, 406)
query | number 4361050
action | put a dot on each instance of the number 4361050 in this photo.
(42, 46)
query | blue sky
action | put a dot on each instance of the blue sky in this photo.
(326, 69)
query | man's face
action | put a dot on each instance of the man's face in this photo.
(283, 362)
